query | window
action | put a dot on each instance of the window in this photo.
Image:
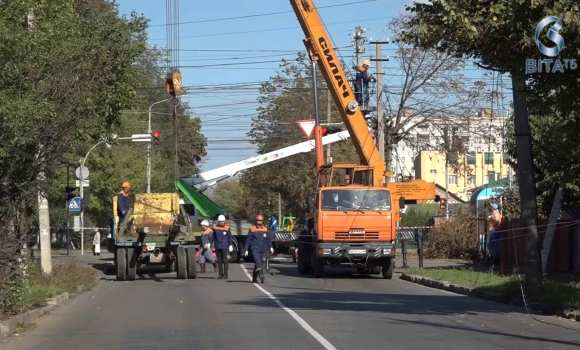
(471, 180)
(488, 158)
(403, 159)
(452, 179)
(433, 172)
(491, 176)
(422, 142)
(478, 149)
(355, 199)
(506, 158)
(471, 158)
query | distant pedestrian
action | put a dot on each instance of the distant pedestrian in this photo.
(205, 251)
(222, 239)
(97, 243)
(258, 242)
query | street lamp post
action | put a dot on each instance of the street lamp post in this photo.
(149, 131)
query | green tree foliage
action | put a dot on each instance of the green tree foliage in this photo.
(229, 195)
(285, 99)
(500, 33)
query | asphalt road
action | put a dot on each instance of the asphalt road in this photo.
(289, 311)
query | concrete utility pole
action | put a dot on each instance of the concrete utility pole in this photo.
(149, 131)
(279, 209)
(380, 113)
(43, 213)
(358, 42)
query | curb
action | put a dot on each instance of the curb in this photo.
(9, 327)
(480, 294)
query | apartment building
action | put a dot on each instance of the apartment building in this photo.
(479, 134)
(472, 170)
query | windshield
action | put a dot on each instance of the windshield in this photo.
(356, 199)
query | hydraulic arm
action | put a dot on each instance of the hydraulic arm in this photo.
(319, 45)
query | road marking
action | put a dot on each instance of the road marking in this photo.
(294, 315)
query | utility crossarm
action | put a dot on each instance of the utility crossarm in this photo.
(321, 50)
(212, 177)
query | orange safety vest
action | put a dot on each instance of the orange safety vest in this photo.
(495, 216)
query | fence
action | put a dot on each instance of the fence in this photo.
(564, 254)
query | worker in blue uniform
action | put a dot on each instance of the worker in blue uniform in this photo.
(123, 203)
(258, 242)
(205, 252)
(222, 240)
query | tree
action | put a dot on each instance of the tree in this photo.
(285, 99)
(229, 195)
(66, 77)
(434, 95)
(484, 30)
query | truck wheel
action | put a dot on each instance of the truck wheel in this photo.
(388, 269)
(317, 266)
(181, 263)
(121, 264)
(131, 264)
(376, 270)
(191, 263)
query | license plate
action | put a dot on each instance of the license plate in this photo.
(150, 246)
(357, 251)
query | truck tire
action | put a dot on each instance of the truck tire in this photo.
(121, 264)
(191, 263)
(317, 266)
(388, 269)
(376, 270)
(131, 264)
(181, 263)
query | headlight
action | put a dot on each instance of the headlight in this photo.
(324, 251)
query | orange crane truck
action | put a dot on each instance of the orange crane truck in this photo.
(351, 225)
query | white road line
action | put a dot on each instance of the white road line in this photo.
(294, 315)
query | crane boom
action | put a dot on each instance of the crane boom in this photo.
(211, 177)
(319, 45)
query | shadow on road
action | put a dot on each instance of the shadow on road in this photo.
(381, 306)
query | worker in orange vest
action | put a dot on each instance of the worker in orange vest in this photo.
(258, 242)
(494, 221)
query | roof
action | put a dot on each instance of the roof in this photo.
(453, 198)
(205, 206)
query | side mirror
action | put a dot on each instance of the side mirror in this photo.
(309, 203)
(437, 198)
(402, 203)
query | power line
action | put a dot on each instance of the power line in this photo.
(274, 29)
(261, 14)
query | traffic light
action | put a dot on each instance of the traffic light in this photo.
(156, 139)
(69, 193)
(442, 203)
(330, 130)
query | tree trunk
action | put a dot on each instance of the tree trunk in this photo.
(529, 210)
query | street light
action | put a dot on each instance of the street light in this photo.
(149, 146)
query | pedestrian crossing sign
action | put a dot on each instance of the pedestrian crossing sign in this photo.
(74, 204)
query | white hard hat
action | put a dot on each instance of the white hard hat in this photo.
(367, 63)
(205, 223)
(221, 218)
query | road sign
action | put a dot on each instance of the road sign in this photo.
(74, 204)
(85, 183)
(76, 223)
(307, 126)
(85, 172)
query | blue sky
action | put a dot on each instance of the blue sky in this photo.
(226, 112)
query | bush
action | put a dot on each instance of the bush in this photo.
(454, 239)
(67, 277)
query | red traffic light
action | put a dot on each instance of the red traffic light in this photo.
(156, 134)
(323, 131)
(442, 203)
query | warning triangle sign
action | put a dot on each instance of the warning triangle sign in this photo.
(307, 126)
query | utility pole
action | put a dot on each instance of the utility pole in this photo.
(358, 42)
(328, 120)
(279, 209)
(380, 113)
(43, 213)
(447, 150)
